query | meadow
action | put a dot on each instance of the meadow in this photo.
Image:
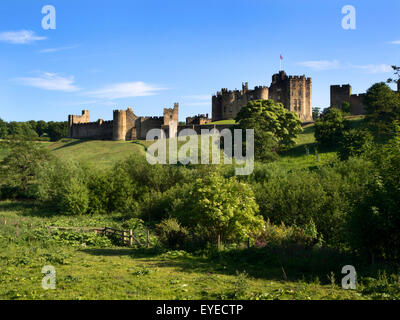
(91, 266)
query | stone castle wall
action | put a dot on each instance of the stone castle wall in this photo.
(343, 93)
(295, 93)
(125, 125)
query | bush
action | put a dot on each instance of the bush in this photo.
(62, 186)
(172, 234)
(282, 235)
(354, 143)
(325, 196)
(375, 222)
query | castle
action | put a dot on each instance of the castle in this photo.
(294, 92)
(124, 126)
(343, 93)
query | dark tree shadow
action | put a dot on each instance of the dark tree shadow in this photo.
(72, 143)
(286, 262)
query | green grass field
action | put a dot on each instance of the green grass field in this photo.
(111, 272)
(87, 270)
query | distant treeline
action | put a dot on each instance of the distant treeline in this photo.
(33, 130)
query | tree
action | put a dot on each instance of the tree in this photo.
(330, 127)
(41, 127)
(375, 222)
(315, 113)
(346, 107)
(3, 129)
(354, 143)
(214, 207)
(396, 71)
(57, 130)
(19, 169)
(275, 128)
(382, 107)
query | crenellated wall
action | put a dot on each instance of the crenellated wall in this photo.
(125, 125)
(294, 92)
(101, 130)
(343, 93)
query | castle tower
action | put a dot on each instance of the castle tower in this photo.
(74, 119)
(119, 125)
(340, 94)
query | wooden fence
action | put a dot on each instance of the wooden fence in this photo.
(126, 236)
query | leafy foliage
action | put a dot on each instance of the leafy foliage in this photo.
(214, 206)
(329, 128)
(275, 128)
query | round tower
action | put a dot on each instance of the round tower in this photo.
(119, 125)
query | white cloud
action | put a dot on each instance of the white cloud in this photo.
(395, 42)
(374, 68)
(20, 37)
(320, 65)
(51, 50)
(125, 90)
(50, 81)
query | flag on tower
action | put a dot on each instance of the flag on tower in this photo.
(281, 57)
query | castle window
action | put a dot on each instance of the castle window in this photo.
(230, 109)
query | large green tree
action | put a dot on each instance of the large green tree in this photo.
(213, 207)
(275, 128)
(382, 107)
(329, 127)
(19, 169)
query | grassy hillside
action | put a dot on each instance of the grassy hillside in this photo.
(87, 271)
(100, 153)
(106, 153)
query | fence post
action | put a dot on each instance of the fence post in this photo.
(124, 236)
(131, 238)
(219, 243)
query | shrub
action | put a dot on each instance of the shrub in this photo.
(354, 143)
(282, 235)
(375, 222)
(172, 234)
(62, 186)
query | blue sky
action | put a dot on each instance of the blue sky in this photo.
(106, 55)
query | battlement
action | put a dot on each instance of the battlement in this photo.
(99, 122)
(359, 95)
(142, 119)
(343, 86)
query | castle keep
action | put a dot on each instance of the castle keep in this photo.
(124, 126)
(294, 92)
